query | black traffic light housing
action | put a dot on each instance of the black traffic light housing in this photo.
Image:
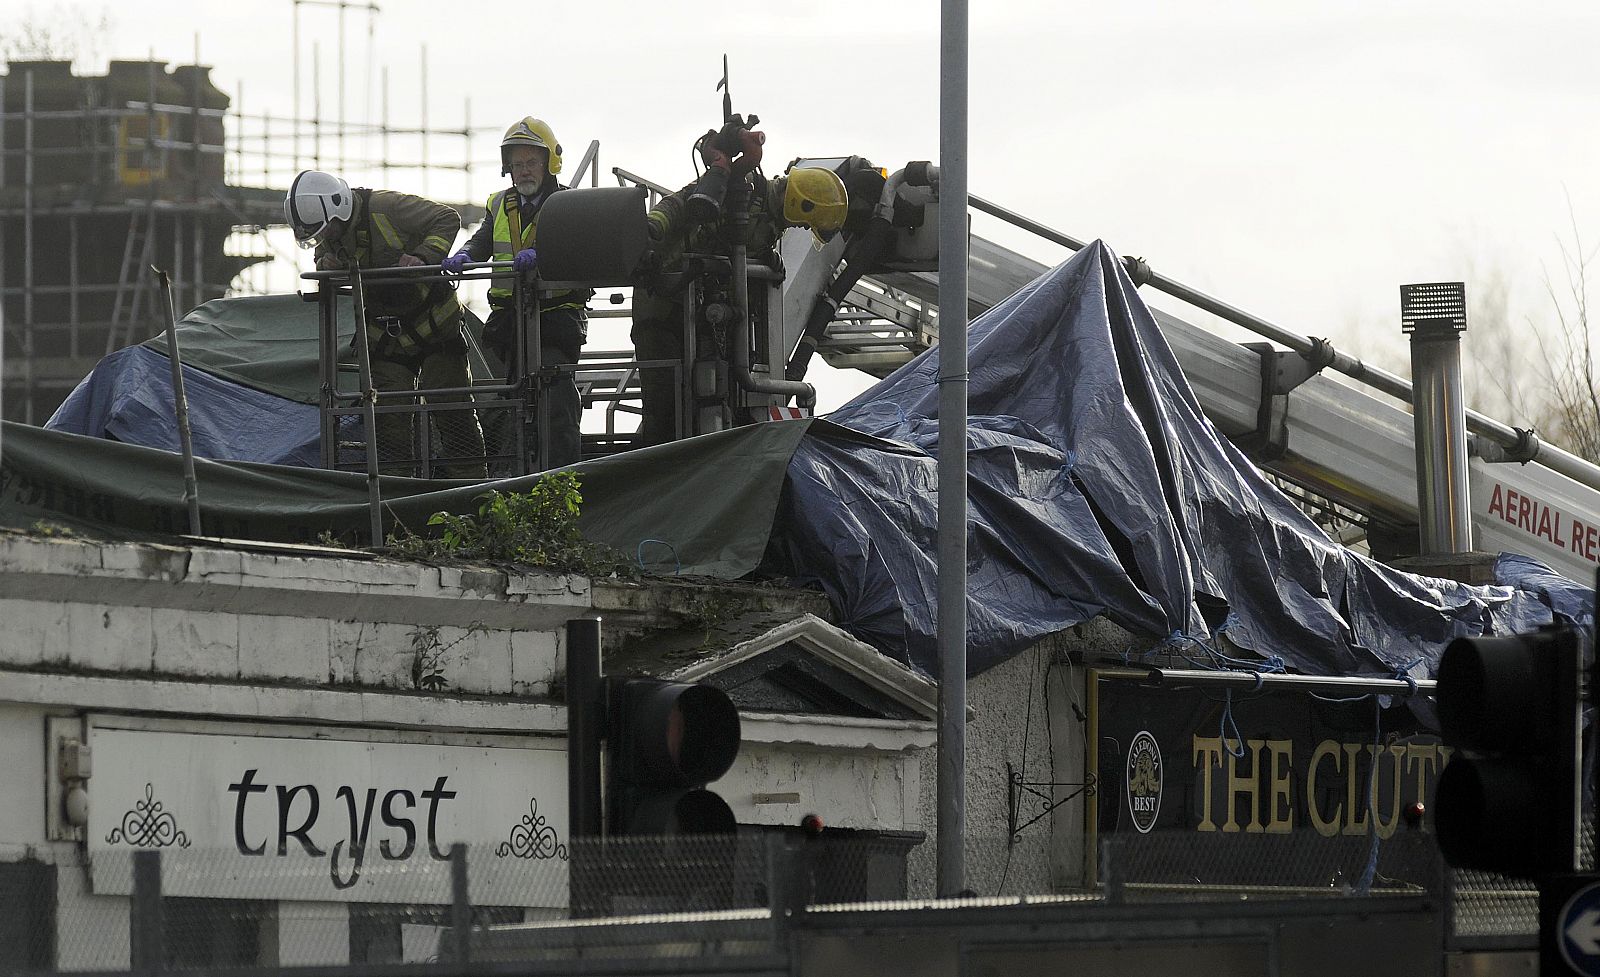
(664, 742)
(1509, 801)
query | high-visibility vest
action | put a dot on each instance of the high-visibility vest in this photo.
(512, 235)
(384, 226)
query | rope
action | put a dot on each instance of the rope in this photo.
(1222, 728)
(677, 564)
(1364, 884)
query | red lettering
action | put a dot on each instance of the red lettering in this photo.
(1556, 537)
(1544, 523)
(1577, 533)
(1497, 502)
(1524, 506)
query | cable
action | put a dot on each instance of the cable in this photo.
(1027, 723)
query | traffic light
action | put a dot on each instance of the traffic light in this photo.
(1509, 800)
(665, 741)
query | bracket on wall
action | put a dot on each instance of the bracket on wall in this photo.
(1017, 788)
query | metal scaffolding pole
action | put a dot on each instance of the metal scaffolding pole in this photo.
(3, 121)
(295, 122)
(27, 247)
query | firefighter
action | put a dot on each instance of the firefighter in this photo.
(531, 156)
(413, 327)
(808, 197)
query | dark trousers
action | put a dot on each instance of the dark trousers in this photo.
(561, 338)
(658, 335)
(437, 366)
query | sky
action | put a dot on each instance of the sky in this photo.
(1297, 160)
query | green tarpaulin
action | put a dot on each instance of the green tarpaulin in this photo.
(269, 342)
(703, 506)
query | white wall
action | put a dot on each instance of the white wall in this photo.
(333, 648)
(1022, 714)
(22, 762)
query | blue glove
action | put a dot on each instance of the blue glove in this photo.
(526, 260)
(456, 263)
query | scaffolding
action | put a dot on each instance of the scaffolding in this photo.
(104, 177)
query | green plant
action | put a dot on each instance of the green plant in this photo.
(427, 668)
(538, 528)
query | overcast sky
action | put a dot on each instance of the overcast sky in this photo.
(1299, 160)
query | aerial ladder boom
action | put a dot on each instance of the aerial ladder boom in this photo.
(1345, 443)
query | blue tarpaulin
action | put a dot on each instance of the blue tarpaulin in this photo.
(1097, 486)
(128, 397)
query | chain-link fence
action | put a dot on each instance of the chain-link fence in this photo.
(1482, 910)
(534, 899)
(529, 897)
(441, 437)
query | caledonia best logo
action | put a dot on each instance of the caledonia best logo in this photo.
(1144, 781)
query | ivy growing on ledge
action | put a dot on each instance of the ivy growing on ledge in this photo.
(534, 528)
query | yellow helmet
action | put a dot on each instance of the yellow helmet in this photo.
(816, 198)
(530, 132)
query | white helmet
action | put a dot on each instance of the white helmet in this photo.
(315, 199)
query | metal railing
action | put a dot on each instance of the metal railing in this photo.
(511, 410)
(539, 903)
(1517, 444)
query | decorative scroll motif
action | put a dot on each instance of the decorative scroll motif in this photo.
(532, 837)
(1021, 791)
(148, 826)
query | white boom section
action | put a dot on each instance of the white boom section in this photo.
(1344, 443)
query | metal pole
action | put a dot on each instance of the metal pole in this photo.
(688, 419)
(327, 361)
(342, 55)
(788, 886)
(517, 373)
(177, 250)
(237, 176)
(316, 105)
(366, 110)
(27, 247)
(369, 399)
(1331, 685)
(147, 927)
(383, 142)
(424, 126)
(542, 387)
(5, 118)
(196, 260)
(191, 490)
(952, 569)
(460, 901)
(584, 724)
(1435, 316)
(73, 311)
(295, 122)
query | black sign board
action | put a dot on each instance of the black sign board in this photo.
(1203, 786)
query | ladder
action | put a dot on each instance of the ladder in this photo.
(133, 294)
(1354, 446)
